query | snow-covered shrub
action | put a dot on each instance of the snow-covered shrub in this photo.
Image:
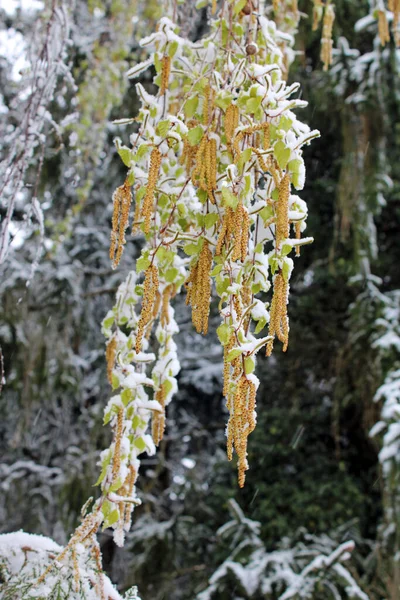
(311, 569)
(25, 557)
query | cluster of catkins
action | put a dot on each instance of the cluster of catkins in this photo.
(214, 166)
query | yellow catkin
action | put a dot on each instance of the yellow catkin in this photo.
(245, 132)
(298, 236)
(165, 73)
(276, 5)
(211, 168)
(158, 421)
(198, 174)
(166, 295)
(96, 554)
(156, 304)
(231, 121)
(279, 323)
(261, 159)
(87, 528)
(111, 350)
(150, 287)
(227, 366)
(247, 298)
(237, 231)
(326, 42)
(394, 6)
(122, 199)
(226, 230)
(237, 304)
(244, 242)
(75, 566)
(318, 11)
(130, 484)
(117, 446)
(266, 136)
(188, 156)
(383, 27)
(241, 405)
(148, 201)
(282, 210)
(237, 223)
(214, 7)
(198, 286)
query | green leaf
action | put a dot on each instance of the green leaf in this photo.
(260, 325)
(247, 184)
(273, 263)
(194, 135)
(172, 48)
(191, 249)
(202, 196)
(286, 269)
(163, 128)
(296, 181)
(239, 6)
(253, 104)
(223, 100)
(190, 106)
(282, 154)
(249, 365)
(114, 382)
(238, 30)
(266, 213)
(140, 444)
(103, 473)
(111, 518)
(157, 62)
(243, 158)
(234, 353)
(229, 198)
(285, 123)
(286, 249)
(295, 165)
(141, 152)
(171, 275)
(210, 220)
(255, 288)
(116, 485)
(275, 194)
(107, 323)
(167, 386)
(163, 201)
(222, 284)
(126, 396)
(106, 508)
(125, 155)
(136, 421)
(142, 263)
(216, 270)
(242, 100)
(224, 333)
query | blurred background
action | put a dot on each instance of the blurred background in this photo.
(325, 456)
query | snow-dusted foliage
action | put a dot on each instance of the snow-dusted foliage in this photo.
(313, 568)
(214, 166)
(42, 64)
(386, 342)
(23, 557)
